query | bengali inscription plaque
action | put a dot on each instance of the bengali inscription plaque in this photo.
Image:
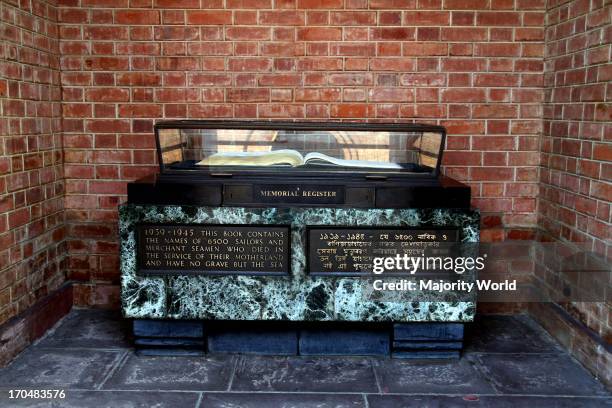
(210, 249)
(350, 251)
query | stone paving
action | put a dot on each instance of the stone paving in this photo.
(508, 362)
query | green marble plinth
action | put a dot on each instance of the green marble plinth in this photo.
(297, 297)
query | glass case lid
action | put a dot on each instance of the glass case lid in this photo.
(299, 148)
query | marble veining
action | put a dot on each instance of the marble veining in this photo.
(296, 297)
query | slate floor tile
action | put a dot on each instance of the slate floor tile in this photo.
(109, 399)
(508, 334)
(430, 376)
(539, 374)
(317, 374)
(38, 368)
(173, 373)
(89, 329)
(263, 400)
(502, 401)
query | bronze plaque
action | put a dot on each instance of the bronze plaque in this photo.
(210, 249)
(351, 251)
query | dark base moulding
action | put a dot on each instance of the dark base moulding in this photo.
(397, 340)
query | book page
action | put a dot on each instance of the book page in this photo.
(317, 158)
(274, 158)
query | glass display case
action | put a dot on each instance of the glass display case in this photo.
(299, 164)
(298, 148)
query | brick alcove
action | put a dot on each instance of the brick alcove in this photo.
(521, 85)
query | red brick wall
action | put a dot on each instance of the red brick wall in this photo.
(576, 145)
(32, 245)
(576, 174)
(473, 66)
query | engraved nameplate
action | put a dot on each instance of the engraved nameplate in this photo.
(352, 250)
(298, 194)
(204, 249)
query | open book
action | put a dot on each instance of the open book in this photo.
(288, 157)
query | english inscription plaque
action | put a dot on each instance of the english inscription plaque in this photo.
(209, 249)
(351, 251)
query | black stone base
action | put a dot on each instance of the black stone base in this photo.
(402, 340)
(427, 340)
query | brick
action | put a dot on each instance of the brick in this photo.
(492, 173)
(602, 152)
(498, 50)
(140, 110)
(249, 95)
(392, 64)
(463, 127)
(105, 33)
(319, 64)
(249, 4)
(529, 34)
(206, 17)
(180, 4)
(281, 111)
(250, 64)
(463, 34)
(429, 79)
(393, 33)
(107, 95)
(139, 79)
(353, 49)
(209, 80)
(107, 125)
(73, 15)
(489, 80)
(465, 95)
(428, 18)
(462, 158)
(18, 218)
(347, 110)
(498, 18)
(317, 17)
(319, 4)
(209, 48)
(424, 49)
(499, 143)
(174, 95)
(107, 63)
(133, 17)
(177, 63)
(466, 4)
(280, 80)
(463, 65)
(601, 190)
(210, 111)
(317, 95)
(282, 49)
(495, 111)
(319, 34)
(391, 95)
(348, 18)
(393, 4)
(248, 33)
(281, 17)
